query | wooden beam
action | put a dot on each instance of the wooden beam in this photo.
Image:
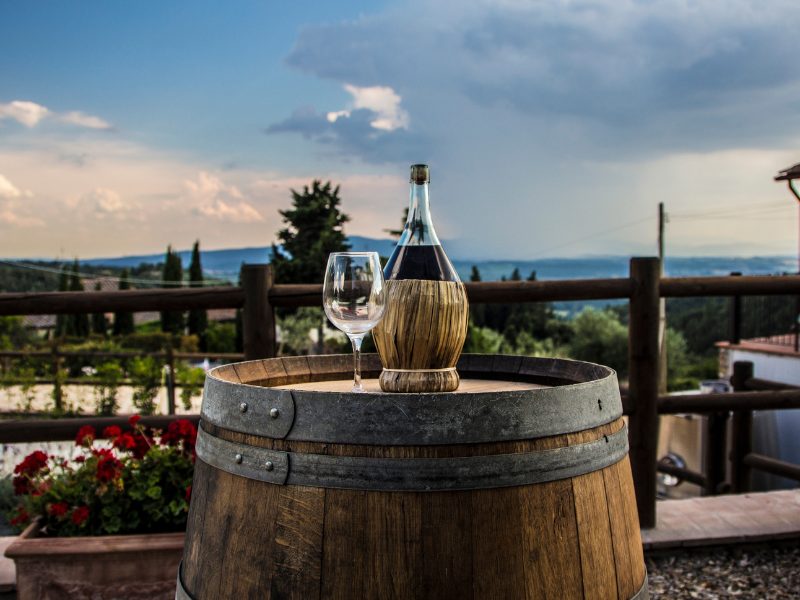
(258, 316)
(53, 303)
(751, 285)
(709, 403)
(47, 430)
(772, 465)
(643, 361)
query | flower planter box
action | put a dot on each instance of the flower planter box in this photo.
(108, 567)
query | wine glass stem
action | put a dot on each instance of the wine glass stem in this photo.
(356, 341)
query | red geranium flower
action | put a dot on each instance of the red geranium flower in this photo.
(80, 514)
(32, 464)
(112, 431)
(59, 509)
(21, 518)
(125, 441)
(180, 431)
(133, 420)
(86, 435)
(22, 485)
(108, 467)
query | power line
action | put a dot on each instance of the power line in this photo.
(153, 282)
(592, 236)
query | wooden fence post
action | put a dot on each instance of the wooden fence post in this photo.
(170, 356)
(258, 315)
(735, 334)
(55, 368)
(643, 383)
(714, 453)
(741, 431)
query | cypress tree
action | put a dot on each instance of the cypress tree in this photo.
(198, 318)
(123, 321)
(172, 321)
(99, 324)
(314, 229)
(477, 311)
(79, 323)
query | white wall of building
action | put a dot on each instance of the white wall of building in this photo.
(774, 367)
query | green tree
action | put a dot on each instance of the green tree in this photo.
(123, 321)
(477, 312)
(99, 324)
(79, 323)
(599, 337)
(172, 320)
(314, 229)
(198, 318)
(529, 318)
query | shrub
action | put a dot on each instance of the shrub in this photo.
(139, 481)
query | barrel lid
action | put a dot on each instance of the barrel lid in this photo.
(253, 398)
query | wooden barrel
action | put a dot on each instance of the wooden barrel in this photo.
(517, 485)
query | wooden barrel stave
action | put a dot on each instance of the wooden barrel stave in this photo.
(571, 538)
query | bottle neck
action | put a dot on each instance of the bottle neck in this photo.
(419, 229)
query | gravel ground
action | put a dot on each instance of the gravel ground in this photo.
(762, 572)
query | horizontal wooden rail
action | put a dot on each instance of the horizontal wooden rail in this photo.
(125, 354)
(772, 465)
(759, 385)
(751, 285)
(295, 295)
(52, 303)
(487, 291)
(680, 473)
(707, 403)
(49, 430)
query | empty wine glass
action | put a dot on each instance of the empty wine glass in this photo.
(354, 298)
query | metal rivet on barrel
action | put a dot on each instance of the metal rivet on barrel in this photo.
(274, 413)
(238, 458)
(243, 407)
(268, 465)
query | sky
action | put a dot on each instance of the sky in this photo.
(552, 127)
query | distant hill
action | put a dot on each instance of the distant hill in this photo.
(226, 263)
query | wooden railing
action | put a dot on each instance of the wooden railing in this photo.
(259, 296)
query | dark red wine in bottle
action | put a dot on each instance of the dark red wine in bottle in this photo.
(420, 262)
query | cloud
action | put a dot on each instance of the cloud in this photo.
(24, 112)
(31, 114)
(639, 75)
(354, 132)
(10, 212)
(217, 200)
(84, 120)
(9, 191)
(381, 100)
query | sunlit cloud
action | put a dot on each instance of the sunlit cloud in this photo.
(84, 120)
(9, 191)
(214, 198)
(24, 112)
(381, 100)
(30, 114)
(11, 212)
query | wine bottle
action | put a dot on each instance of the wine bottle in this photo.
(425, 325)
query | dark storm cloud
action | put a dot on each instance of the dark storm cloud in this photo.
(696, 76)
(352, 134)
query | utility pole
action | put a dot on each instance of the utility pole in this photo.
(662, 311)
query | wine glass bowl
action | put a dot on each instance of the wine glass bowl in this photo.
(354, 299)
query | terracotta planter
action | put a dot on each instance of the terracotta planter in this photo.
(97, 568)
